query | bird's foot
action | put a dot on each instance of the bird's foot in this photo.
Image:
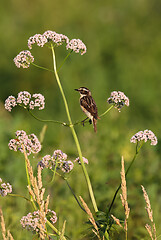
(82, 122)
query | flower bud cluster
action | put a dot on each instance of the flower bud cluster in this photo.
(5, 188)
(26, 100)
(23, 59)
(119, 99)
(32, 222)
(144, 136)
(30, 143)
(58, 159)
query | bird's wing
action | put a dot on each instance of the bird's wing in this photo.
(89, 104)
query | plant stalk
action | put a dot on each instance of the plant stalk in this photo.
(74, 133)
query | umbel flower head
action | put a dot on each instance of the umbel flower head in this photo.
(119, 99)
(23, 59)
(25, 99)
(37, 100)
(5, 188)
(30, 143)
(77, 46)
(57, 38)
(46, 37)
(39, 39)
(32, 221)
(10, 103)
(58, 159)
(144, 136)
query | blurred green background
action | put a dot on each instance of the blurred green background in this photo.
(123, 40)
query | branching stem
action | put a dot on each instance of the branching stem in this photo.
(74, 133)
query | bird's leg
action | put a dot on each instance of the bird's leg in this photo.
(90, 121)
(84, 121)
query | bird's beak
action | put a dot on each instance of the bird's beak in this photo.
(76, 90)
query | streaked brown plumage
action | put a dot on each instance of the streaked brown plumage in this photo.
(88, 105)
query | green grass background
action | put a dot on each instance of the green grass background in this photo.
(123, 40)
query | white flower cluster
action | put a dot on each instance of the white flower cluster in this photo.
(39, 39)
(119, 99)
(32, 222)
(58, 159)
(10, 102)
(26, 100)
(75, 45)
(144, 136)
(5, 188)
(23, 59)
(30, 143)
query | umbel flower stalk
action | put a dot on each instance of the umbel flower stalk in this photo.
(74, 133)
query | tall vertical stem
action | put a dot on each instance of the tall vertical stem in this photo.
(74, 134)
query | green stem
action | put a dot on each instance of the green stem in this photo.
(27, 173)
(136, 153)
(17, 195)
(59, 122)
(106, 235)
(42, 120)
(74, 194)
(65, 179)
(54, 171)
(55, 229)
(74, 134)
(64, 60)
(106, 111)
(41, 67)
(86, 120)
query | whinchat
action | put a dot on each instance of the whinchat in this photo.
(88, 105)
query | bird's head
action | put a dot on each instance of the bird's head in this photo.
(83, 91)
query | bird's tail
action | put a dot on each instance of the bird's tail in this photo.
(95, 124)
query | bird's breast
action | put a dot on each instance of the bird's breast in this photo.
(88, 114)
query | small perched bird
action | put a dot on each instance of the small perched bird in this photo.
(88, 105)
